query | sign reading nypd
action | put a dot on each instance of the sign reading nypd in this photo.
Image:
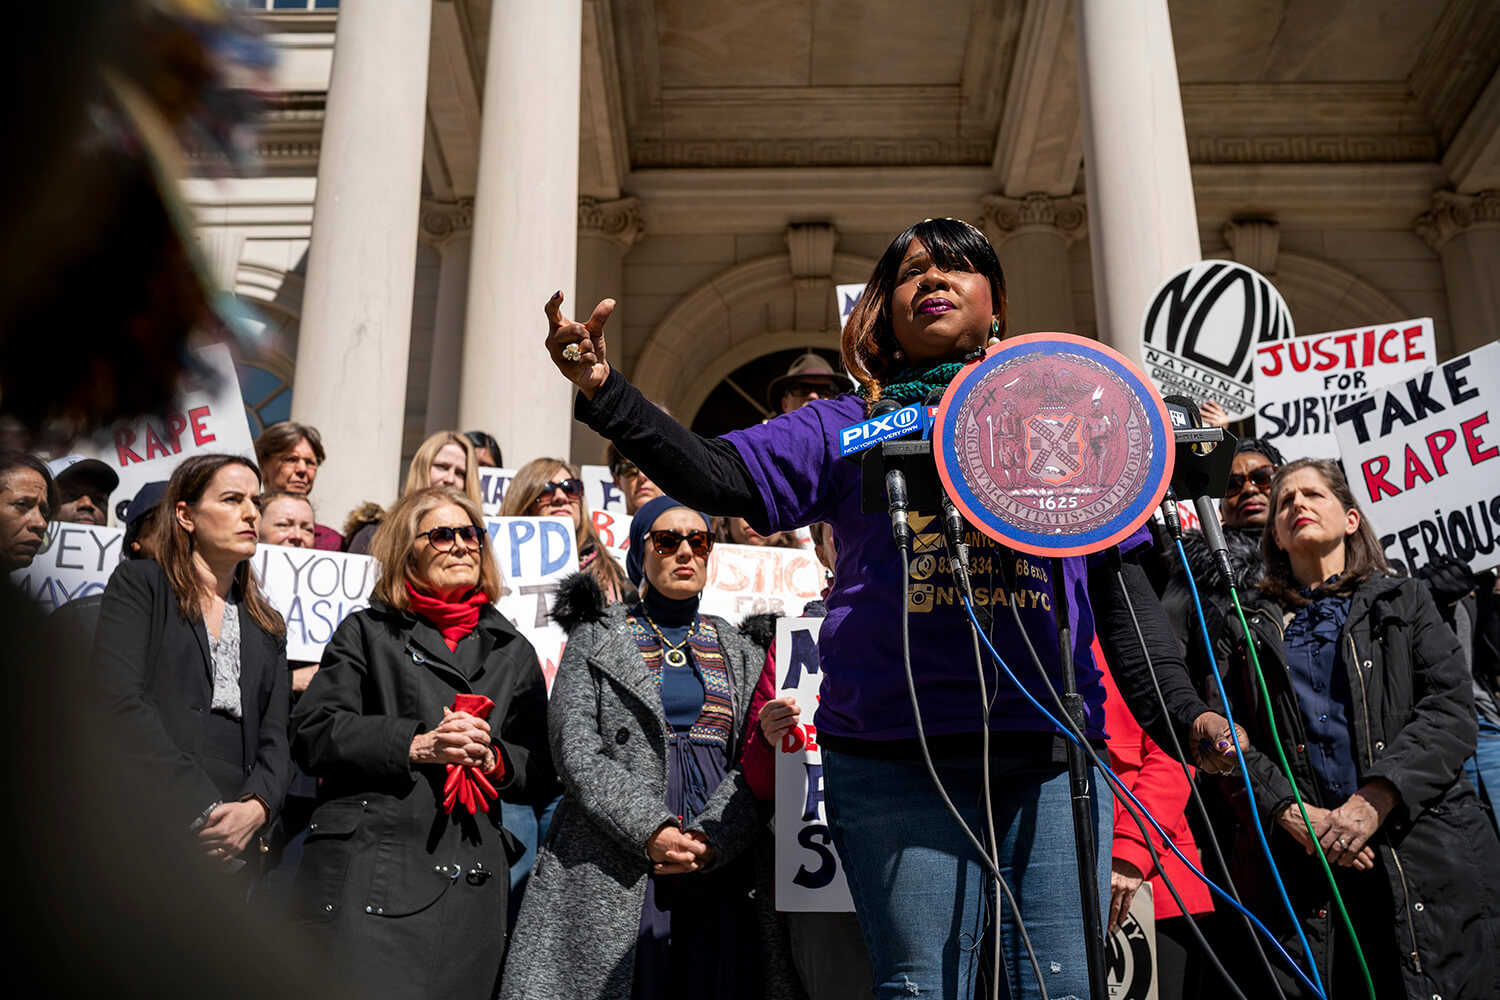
(868, 433)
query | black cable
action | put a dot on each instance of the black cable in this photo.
(1193, 788)
(1093, 756)
(989, 864)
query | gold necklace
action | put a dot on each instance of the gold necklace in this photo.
(675, 657)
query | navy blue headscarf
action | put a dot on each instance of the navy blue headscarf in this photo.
(640, 525)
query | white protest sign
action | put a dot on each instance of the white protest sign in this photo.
(753, 579)
(203, 420)
(1300, 383)
(1130, 952)
(1201, 329)
(848, 298)
(599, 489)
(809, 877)
(534, 554)
(315, 591)
(614, 532)
(75, 560)
(1423, 459)
(492, 485)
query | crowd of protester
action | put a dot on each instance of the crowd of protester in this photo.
(415, 802)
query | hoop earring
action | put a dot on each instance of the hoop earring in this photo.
(994, 332)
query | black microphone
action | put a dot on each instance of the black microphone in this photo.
(895, 484)
(952, 520)
(1184, 409)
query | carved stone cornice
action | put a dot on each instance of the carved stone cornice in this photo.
(1005, 218)
(1453, 214)
(1254, 243)
(442, 221)
(618, 221)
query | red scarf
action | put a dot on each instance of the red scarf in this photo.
(452, 619)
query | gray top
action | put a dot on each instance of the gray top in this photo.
(225, 654)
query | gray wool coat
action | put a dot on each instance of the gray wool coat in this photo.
(575, 936)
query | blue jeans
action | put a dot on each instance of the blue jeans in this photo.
(925, 903)
(1483, 768)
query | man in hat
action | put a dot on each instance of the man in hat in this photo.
(84, 485)
(809, 378)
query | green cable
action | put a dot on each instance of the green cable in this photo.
(1286, 769)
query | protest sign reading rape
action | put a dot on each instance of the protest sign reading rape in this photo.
(74, 561)
(1423, 459)
(1300, 383)
(809, 877)
(207, 417)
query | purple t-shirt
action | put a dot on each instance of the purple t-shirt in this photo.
(795, 464)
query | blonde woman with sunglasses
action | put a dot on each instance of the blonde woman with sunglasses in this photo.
(645, 886)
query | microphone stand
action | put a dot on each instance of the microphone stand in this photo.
(1078, 781)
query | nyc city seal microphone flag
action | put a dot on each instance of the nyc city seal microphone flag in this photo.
(1054, 445)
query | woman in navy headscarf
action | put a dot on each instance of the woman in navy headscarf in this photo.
(645, 887)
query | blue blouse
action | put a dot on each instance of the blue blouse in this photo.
(1320, 681)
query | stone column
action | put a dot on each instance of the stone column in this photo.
(1143, 223)
(355, 332)
(606, 232)
(1464, 229)
(525, 229)
(1032, 236)
(448, 226)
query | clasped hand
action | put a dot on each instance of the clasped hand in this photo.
(777, 717)
(461, 739)
(230, 827)
(1344, 832)
(674, 851)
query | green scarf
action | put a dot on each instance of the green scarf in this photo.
(912, 385)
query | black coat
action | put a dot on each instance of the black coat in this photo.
(155, 676)
(1413, 724)
(413, 900)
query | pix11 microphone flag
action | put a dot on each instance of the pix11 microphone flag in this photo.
(1054, 445)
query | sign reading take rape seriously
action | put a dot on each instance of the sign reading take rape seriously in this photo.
(1423, 460)
(1300, 383)
(75, 561)
(809, 877)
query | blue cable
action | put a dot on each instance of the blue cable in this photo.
(1166, 838)
(1260, 834)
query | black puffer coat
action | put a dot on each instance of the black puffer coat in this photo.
(1413, 724)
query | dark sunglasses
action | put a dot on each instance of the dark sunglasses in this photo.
(572, 487)
(442, 538)
(667, 542)
(624, 470)
(1260, 476)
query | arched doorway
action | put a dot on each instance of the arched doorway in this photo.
(739, 400)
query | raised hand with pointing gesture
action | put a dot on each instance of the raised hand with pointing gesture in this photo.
(578, 348)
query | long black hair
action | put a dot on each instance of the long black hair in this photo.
(869, 342)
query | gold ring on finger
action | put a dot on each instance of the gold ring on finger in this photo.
(572, 352)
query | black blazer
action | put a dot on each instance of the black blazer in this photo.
(155, 675)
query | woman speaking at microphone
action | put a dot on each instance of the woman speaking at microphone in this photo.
(935, 298)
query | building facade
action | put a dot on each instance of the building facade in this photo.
(435, 169)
